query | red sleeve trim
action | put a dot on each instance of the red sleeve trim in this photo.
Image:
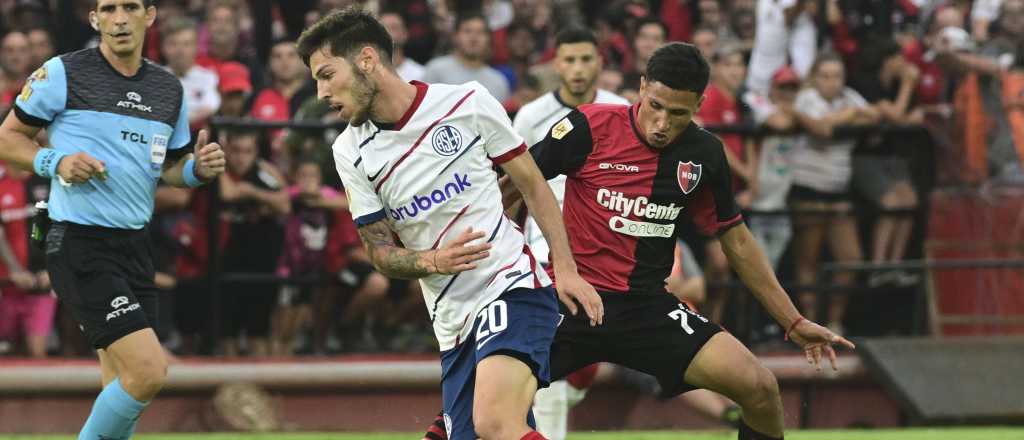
(511, 154)
(728, 224)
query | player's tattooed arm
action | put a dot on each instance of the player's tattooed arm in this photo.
(396, 261)
(391, 259)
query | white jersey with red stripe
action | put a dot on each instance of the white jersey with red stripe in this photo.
(533, 121)
(431, 176)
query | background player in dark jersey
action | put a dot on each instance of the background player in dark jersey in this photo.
(634, 175)
(116, 125)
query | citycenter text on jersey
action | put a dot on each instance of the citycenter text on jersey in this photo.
(639, 206)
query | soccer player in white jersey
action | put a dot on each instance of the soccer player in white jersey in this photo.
(417, 162)
(578, 63)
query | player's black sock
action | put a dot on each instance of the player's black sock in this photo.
(748, 433)
(436, 430)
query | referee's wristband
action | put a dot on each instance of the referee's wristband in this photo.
(188, 174)
(46, 161)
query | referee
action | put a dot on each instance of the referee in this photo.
(116, 124)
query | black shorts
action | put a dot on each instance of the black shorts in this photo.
(355, 274)
(799, 193)
(105, 277)
(653, 333)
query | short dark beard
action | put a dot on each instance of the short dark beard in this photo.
(363, 90)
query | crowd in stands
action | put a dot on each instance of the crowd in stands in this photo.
(945, 76)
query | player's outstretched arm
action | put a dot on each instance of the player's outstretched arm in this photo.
(749, 261)
(523, 172)
(395, 261)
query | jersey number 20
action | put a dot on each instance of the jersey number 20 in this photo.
(493, 319)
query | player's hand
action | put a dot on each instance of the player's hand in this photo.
(80, 167)
(815, 340)
(573, 288)
(458, 255)
(43, 280)
(23, 280)
(209, 158)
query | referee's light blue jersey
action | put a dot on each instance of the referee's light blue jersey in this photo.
(128, 123)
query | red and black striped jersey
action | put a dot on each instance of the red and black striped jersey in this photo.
(626, 202)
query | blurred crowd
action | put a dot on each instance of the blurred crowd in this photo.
(791, 80)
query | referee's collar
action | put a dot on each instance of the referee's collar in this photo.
(138, 74)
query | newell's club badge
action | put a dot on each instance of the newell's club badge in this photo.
(561, 129)
(688, 174)
(446, 140)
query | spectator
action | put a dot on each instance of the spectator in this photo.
(499, 13)
(785, 31)
(255, 197)
(289, 88)
(650, 35)
(416, 15)
(709, 13)
(706, 39)
(774, 175)
(27, 307)
(407, 68)
(469, 60)
(933, 88)
(610, 80)
(200, 83)
(235, 88)
(880, 172)
(15, 65)
(223, 29)
(744, 25)
(305, 252)
(721, 107)
(988, 134)
(821, 182)
(983, 13)
(520, 46)
(41, 41)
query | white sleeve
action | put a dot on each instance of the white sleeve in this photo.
(501, 141)
(809, 103)
(856, 100)
(364, 204)
(803, 44)
(760, 107)
(211, 96)
(985, 10)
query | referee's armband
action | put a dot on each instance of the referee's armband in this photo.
(188, 174)
(46, 161)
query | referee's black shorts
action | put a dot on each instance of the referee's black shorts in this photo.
(651, 332)
(105, 277)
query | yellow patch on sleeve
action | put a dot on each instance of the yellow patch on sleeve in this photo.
(26, 91)
(562, 128)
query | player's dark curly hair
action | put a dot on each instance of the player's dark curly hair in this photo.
(345, 32)
(679, 66)
(575, 34)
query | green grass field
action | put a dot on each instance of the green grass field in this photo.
(880, 434)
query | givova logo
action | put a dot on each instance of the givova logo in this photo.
(423, 203)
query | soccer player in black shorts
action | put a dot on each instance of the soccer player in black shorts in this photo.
(116, 124)
(635, 174)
